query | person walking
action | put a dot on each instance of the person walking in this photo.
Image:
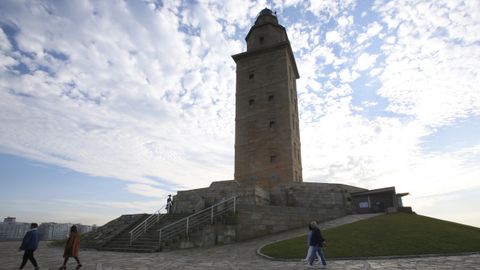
(317, 242)
(71, 248)
(29, 245)
(169, 204)
(309, 247)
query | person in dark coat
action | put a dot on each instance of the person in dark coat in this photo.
(317, 241)
(71, 248)
(169, 204)
(310, 248)
(30, 244)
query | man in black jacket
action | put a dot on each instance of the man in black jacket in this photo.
(317, 241)
(30, 244)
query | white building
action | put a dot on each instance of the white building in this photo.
(13, 230)
(54, 231)
(57, 231)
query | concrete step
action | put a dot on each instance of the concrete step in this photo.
(129, 249)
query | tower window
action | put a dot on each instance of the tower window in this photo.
(273, 159)
(270, 98)
(271, 124)
(250, 76)
(261, 40)
(251, 102)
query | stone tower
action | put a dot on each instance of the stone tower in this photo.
(267, 137)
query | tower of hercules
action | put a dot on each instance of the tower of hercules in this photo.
(267, 137)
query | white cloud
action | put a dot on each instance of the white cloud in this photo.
(191, 80)
(147, 190)
(4, 43)
(373, 29)
(362, 38)
(429, 75)
(299, 36)
(344, 21)
(112, 96)
(348, 76)
(333, 37)
(365, 61)
(329, 8)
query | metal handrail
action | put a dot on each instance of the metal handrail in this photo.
(204, 216)
(145, 225)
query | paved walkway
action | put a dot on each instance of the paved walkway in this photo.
(236, 256)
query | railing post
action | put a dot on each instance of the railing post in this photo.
(234, 204)
(187, 227)
(211, 216)
(131, 236)
(160, 238)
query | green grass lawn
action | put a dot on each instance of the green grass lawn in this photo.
(386, 235)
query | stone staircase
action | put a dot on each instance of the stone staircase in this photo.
(147, 242)
(109, 231)
(159, 231)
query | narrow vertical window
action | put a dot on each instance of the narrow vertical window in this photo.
(251, 102)
(273, 159)
(271, 124)
(261, 40)
(270, 98)
(251, 76)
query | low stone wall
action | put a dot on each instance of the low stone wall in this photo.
(253, 221)
(314, 195)
(191, 201)
(211, 235)
(261, 220)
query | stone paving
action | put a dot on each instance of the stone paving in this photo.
(235, 256)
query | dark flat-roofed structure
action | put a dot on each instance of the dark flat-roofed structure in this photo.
(378, 201)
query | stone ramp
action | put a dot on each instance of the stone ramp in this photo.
(268, 239)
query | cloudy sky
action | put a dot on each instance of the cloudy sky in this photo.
(108, 106)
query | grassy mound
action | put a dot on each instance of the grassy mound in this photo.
(387, 235)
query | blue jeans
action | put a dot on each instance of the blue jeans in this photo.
(317, 249)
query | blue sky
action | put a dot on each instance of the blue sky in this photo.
(106, 107)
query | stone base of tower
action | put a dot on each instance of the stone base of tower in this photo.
(260, 212)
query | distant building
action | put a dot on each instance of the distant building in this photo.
(12, 230)
(53, 231)
(9, 220)
(56, 231)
